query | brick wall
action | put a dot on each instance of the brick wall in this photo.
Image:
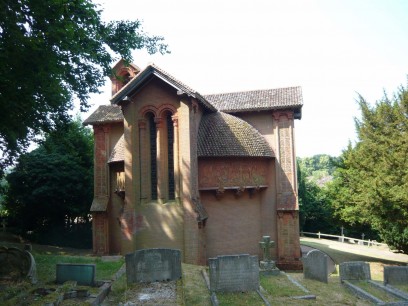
(155, 223)
(287, 204)
(100, 228)
(233, 225)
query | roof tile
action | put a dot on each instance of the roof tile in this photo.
(257, 100)
(118, 152)
(224, 135)
(105, 114)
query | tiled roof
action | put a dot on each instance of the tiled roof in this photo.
(105, 114)
(148, 72)
(223, 135)
(99, 204)
(118, 152)
(257, 100)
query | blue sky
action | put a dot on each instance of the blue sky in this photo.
(332, 49)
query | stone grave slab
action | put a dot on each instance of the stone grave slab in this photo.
(395, 275)
(355, 270)
(152, 265)
(83, 274)
(315, 266)
(234, 273)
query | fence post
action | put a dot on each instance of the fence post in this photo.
(318, 235)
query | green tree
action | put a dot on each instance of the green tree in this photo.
(50, 189)
(3, 191)
(315, 212)
(371, 184)
(52, 52)
(318, 168)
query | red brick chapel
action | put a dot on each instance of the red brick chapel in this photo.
(206, 174)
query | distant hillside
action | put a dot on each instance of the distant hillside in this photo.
(318, 168)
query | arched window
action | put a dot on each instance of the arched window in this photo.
(158, 142)
(153, 156)
(170, 156)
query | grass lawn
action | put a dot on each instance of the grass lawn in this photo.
(192, 289)
(46, 258)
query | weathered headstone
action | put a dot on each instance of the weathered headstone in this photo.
(315, 266)
(151, 265)
(355, 270)
(395, 275)
(232, 273)
(83, 274)
(267, 265)
(16, 264)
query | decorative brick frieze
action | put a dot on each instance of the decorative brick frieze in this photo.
(286, 166)
(233, 172)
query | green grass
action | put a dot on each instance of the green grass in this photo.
(279, 286)
(46, 266)
(46, 258)
(195, 289)
(378, 293)
(402, 287)
(239, 299)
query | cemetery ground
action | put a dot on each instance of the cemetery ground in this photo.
(192, 288)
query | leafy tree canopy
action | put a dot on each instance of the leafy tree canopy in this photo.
(371, 184)
(53, 51)
(318, 168)
(51, 187)
(315, 211)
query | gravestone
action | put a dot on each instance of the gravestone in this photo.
(234, 273)
(16, 264)
(394, 275)
(315, 266)
(83, 274)
(267, 265)
(152, 265)
(355, 270)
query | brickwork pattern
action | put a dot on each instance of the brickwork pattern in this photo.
(233, 225)
(287, 208)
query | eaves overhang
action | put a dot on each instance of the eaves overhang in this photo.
(147, 75)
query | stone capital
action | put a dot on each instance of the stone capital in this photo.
(142, 124)
(159, 122)
(175, 120)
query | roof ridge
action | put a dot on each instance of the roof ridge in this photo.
(251, 90)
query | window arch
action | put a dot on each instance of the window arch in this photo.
(170, 156)
(153, 155)
(157, 163)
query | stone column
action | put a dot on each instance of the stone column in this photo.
(144, 175)
(162, 176)
(287, 203)
(132, 179)
(176, 158)
(192, 236)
